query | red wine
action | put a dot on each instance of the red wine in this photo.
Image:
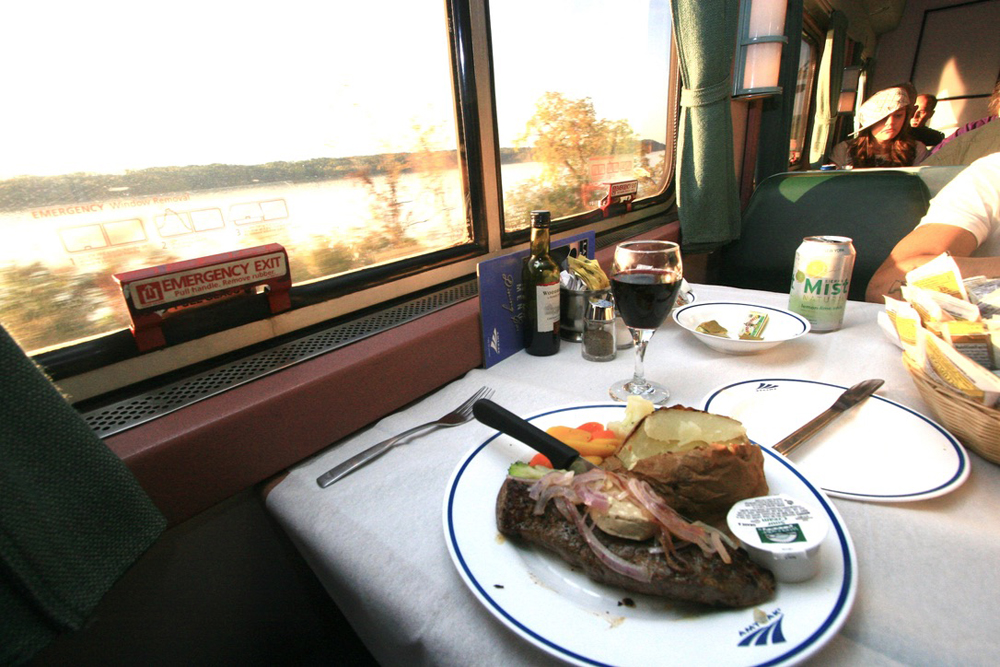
(645, 297)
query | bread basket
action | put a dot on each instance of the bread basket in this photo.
(977, 426)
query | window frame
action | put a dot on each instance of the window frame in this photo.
(813, 36)
(108, 363)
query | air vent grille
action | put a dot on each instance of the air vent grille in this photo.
(131, 412)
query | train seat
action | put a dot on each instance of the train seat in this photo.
(874, 207)
(73, 519)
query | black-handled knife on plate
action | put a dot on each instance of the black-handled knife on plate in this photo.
(562, 456)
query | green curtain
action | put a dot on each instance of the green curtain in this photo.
(707, 193)
(831, 75)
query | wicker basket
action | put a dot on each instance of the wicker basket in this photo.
(977, 426)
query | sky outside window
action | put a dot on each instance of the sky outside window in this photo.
(107, 86)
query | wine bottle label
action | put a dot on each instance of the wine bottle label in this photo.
(547, 300)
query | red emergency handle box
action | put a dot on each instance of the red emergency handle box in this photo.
(153, 293)
(620, 192)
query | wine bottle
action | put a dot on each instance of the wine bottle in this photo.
(540, 282)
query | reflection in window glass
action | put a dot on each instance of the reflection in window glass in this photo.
(581, 97)
(130, 140)
(800, 110)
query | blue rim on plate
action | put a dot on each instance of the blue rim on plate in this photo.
(941, 444)
(481, 559)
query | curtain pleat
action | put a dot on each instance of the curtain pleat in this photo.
(830, 77)
(707, 192)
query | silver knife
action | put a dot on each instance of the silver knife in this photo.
(847, 400)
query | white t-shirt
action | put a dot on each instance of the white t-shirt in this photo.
(971, 201)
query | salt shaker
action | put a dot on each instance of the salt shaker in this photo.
(599, 331)
(623, 335)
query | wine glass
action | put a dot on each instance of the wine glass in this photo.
(645, 279)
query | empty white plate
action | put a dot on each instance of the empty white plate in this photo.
(879, 451)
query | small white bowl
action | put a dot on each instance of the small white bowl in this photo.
(782, 325)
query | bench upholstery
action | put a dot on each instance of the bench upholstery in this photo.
(874, 207)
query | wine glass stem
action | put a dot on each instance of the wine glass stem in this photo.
(641, 338)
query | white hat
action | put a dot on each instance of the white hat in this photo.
(879, 106)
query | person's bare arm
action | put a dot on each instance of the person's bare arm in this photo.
(920, 246)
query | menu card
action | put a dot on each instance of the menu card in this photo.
(501, 297)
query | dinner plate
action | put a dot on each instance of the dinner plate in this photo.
(564, 613)
(878, 451)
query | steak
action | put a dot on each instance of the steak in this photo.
(703, 578)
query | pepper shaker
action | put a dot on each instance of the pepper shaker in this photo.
(599, 331)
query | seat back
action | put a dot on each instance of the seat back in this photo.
(73, 518)
(874, 207)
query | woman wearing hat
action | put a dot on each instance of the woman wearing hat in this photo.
(881, 134)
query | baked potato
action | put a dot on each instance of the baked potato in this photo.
(699, 462)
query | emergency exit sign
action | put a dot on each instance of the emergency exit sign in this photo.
(153, 293)
(184, 285)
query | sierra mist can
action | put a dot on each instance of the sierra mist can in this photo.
(821, 280)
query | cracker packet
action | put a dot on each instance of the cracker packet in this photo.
(985, 293)
(972, 339)
(909, 327)
(939, 306)
(928, 309)
(958, 372)
(941, 274)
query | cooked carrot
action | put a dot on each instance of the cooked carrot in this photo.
(568, 435)
(600, 448)
(591, 427)
(540, 460)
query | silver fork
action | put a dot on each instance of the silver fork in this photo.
(459, 415)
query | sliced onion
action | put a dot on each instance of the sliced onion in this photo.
(556, 477)
(722, 539)
(674, 559)
(720, 548)
(610, 559)
(595, 489)
(666, 516)
(592, 498)
(592, 475)
(555, 491)
(553, 484)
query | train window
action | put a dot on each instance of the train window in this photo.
(803, 94)
(581, 90)
(130, 142)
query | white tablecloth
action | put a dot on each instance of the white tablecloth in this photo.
(928, 590)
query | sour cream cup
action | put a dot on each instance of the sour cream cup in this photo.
(781, 534)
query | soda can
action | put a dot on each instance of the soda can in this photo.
(821, 280)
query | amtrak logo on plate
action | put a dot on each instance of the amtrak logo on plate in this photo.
(765, 630)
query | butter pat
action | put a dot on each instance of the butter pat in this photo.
(781, 534)
(713, 328)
